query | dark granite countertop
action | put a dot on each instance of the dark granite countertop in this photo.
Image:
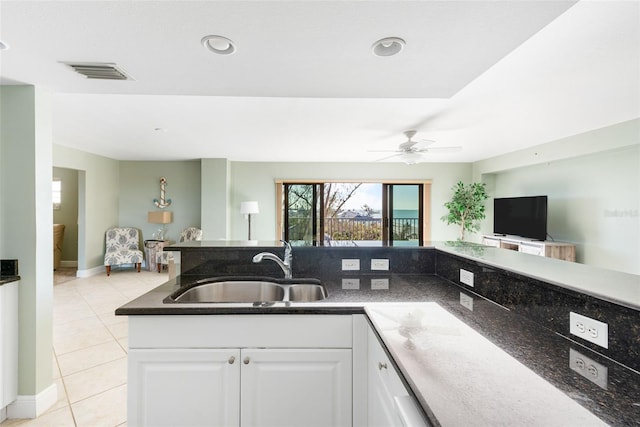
(8, 279)
(487, 363)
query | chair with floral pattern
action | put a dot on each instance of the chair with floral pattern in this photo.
(122, 247)
(188, 234)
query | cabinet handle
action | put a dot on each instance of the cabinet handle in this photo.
(382, 366)
(232, 360)
(246, 361)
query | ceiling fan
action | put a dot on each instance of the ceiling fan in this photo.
(412, 152)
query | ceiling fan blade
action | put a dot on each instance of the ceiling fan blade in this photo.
(389, 157)
(384, 151)
(437, 150)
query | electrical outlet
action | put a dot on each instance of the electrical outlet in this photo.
(466, 301)
(380, 264)
(351, 284)
(350, 264)
(589, 329)
(466, 277)
(377, 284)
(588, 368)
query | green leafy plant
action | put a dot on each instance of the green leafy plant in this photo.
(466, 207)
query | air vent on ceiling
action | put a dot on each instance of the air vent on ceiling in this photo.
(99, 70)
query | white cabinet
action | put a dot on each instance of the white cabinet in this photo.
(559, 250)
(184, 387)
(8, 345)
(296, 387)
(264, 370)
(389, 403)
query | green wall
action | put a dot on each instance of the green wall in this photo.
(98, 199)
(593, 184)
(256, 181)
(25, 225)
(140, 185)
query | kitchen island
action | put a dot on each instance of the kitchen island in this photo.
(461, 357)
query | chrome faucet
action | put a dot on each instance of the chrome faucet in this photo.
(284, 264)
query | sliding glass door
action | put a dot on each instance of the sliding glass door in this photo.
(353, 214)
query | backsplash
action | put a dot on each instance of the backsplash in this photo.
(8, 267)
(550, 305)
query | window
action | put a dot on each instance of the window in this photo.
(56, 193)
(353, 213)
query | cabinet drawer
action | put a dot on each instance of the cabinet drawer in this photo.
(260, 330)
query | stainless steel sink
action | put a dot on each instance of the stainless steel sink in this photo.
(241, 290)
(307, 293)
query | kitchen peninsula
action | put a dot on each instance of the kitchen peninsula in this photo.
(497, 352)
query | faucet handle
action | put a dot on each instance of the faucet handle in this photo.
(287, 245)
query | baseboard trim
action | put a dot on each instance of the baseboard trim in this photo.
(68, 264)
(32, 406)
(91, 271)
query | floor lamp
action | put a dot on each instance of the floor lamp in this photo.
(249, 208)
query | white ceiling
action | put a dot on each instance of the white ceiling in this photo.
(303, 85)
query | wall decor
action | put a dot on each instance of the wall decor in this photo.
(163, 202)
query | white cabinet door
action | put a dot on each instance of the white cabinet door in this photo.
(491, 242)
(296, 387)
(531, 249)
(381, 409)
(184, 387)
(389, 401)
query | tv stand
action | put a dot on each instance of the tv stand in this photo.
(558, 250)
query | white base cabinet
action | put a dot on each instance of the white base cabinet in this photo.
(290, 384)
(8, 345)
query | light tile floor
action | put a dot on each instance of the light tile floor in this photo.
(90, 349)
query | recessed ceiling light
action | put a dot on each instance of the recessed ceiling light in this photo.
(218, 44)
(388, 46)
(3, 45)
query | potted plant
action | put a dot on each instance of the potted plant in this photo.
(466, 207)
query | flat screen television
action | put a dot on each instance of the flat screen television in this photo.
(521, 216)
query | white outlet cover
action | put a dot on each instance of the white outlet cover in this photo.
(350, 264)
(589, 329)
(350, 283)
(380, 264)
(466, 277)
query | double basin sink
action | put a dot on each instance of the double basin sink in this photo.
(249, 290)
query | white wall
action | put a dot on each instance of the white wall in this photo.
(256, 181)
(593, 184)
(98, 199)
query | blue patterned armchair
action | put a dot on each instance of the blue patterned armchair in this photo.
(122, 247)
(187, 235)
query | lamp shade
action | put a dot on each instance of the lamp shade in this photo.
(249, 207)
(160, 217)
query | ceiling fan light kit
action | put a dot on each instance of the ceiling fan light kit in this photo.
(412, 152)
(388, 46)
(218, 44)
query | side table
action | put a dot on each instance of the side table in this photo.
(151, 248)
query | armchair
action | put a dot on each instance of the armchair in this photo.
(187, 235)
(122, 247)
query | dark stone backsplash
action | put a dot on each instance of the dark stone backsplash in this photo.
(550, 305)
(546, 304)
